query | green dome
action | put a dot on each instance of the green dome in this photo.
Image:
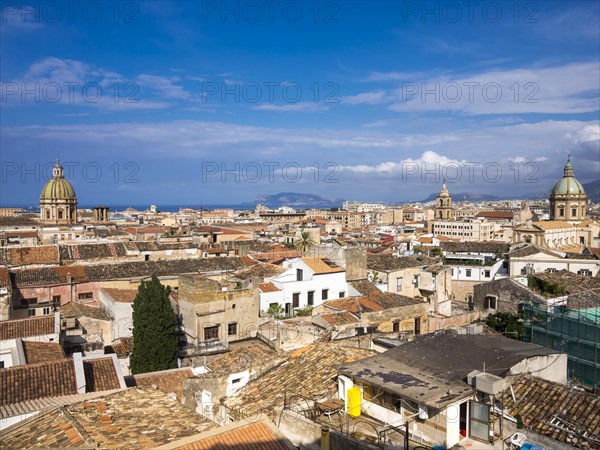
(58, 188)
(568, 185)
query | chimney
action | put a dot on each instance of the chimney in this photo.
(69, 278)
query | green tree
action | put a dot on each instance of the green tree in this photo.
(154, 333)
(305, 241)
(510, 325)
(276, 311)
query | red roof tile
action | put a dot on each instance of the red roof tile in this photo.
(34, 326)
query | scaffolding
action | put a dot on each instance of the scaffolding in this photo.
(574, 332)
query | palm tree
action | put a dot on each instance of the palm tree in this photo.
(304, 241)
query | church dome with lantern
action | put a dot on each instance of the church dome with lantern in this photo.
(58, 203)
(568, 199)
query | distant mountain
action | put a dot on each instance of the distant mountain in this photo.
(592, 189)
(295, 200)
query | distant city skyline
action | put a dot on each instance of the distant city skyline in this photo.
(183, 103)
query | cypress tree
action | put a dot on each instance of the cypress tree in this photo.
(154, 335)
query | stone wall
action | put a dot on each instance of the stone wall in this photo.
(509, 293)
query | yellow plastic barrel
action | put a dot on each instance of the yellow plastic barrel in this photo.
(353, 396)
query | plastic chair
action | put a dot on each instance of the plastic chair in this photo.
(517, 440)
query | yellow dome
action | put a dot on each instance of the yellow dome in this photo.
(58, 188)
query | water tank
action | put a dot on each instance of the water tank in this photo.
(353, 396)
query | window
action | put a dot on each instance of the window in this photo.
(573, 212)
(489, 302)
(342, 294)
(468, 272)
(232, 329)
(324, 294)
(47, 214)
(310, 298)
(236, 380)
(399, 283)
(211, 332)
(550, 270)
(416, 280)
(584, 272)
(85, 295)
(296, 299)
(396, 327)
(299, 274)
(233, 306)
(60, 214)
(486, 273)
(561, 212)
(31, 312)
(56, 299)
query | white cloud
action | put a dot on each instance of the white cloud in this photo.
(293, 107)
(366, 98)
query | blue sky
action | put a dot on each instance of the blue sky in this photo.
(219, 102)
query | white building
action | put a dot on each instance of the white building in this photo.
(118, 305)
(306, 282)
(532, 259)
(466, 230)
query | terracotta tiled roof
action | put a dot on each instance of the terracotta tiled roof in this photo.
(125, 270)
(78, 252)
(340, 318)
(260, 270)
(5, 279)
(22, 256)
(121, 295)
(123, 347)
(552, 224)
(385, 299)
(388, 263)
(320, 266)
(48, 275)
(541, 404)
(310, 371)
(166, 381)
(250, 355)
(355, 305)
(569, 281)
(37, 352)
(100, 374)
(32, 381)
(253, 436)
(137, 418)
(496, 214)
(268, 287)
(52, 429)
(34, 326)
(77, 310)
(248, 261)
